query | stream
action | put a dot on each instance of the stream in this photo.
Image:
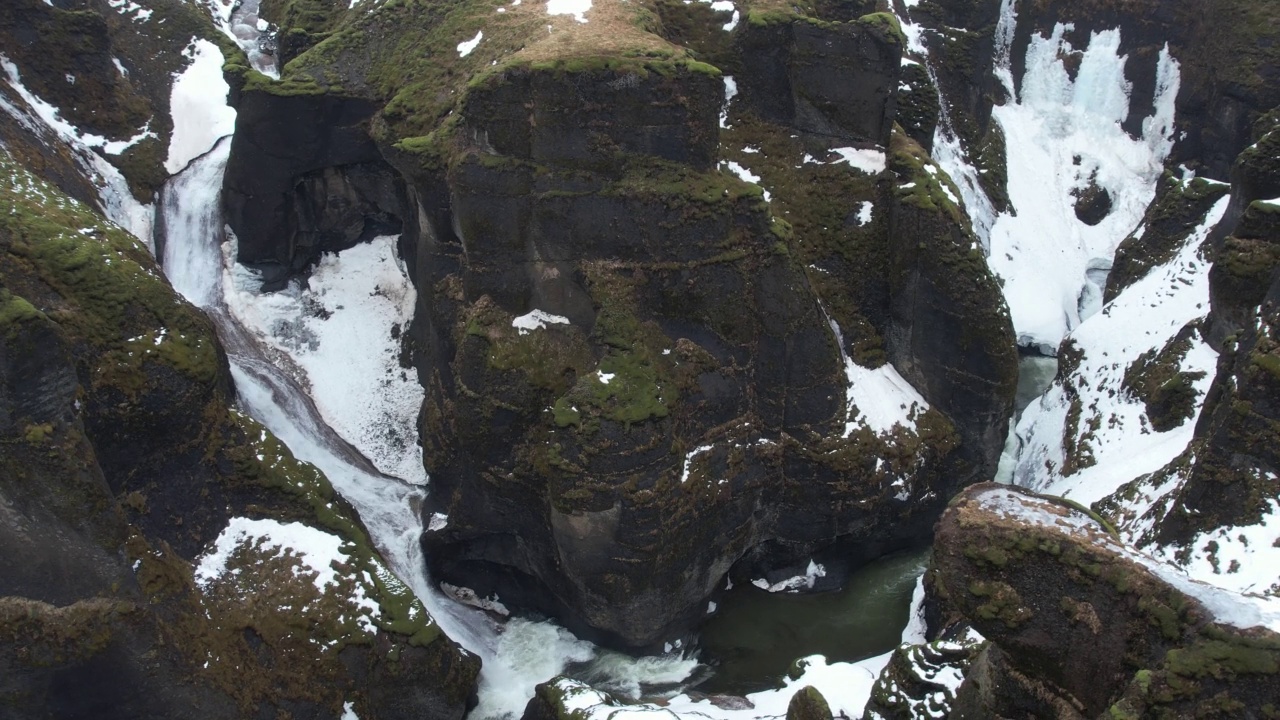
(747, 646)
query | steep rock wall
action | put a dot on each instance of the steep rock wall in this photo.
(122, 465)
(684, 412)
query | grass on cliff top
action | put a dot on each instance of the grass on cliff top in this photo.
(406, 51)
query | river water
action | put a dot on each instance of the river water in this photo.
(755, 635)
(747, 646)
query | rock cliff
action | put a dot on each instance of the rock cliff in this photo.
(1079, 626)
(147, 566)
(638, 363)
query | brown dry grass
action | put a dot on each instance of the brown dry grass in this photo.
(614, 28)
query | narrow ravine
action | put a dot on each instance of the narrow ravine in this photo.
(193, 261)
(197, 255)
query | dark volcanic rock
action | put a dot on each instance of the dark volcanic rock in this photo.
(1081, 627)
(120, 460)
(949, 332)
(808, 704)
(304, 177)
(797, 71)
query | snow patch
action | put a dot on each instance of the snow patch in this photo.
(465, 48)
(730, 90)
(746, 175)
(537, 320)
(884, 399)
(688, 460)
(198, 104)
(796, 583)
(864, 213)
(316, 551)
(871, 162)
(577, 8)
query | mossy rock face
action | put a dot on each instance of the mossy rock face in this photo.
(1089, 617)
(123, 460)
(689, 376)
(1177, 210)
(832, 78)
(918, 108)
(947, 314)
(808, 704)
(960, 40)
(593, 115)
(1242, 274)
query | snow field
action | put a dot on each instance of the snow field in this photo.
(343, 331)
(317, 552)
(1112, 423)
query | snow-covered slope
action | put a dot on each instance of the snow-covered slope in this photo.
(342, 329)
(1064, 140)
(1090, 433)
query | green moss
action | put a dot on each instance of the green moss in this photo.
(1085, 509)
(15, 311)
(114, 297)
(36, 434)
(1002, 604)
(289, 86)
(886, 25)
(1221, 660)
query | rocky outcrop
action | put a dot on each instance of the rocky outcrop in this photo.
(304, 177)
(1080, 626)
(921, 679)
(633, 385)
(121, 463)
(949, 331)
(808, 704)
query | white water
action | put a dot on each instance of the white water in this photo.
(516, 656)
(1061, 134)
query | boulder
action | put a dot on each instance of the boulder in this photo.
(1081, 626)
